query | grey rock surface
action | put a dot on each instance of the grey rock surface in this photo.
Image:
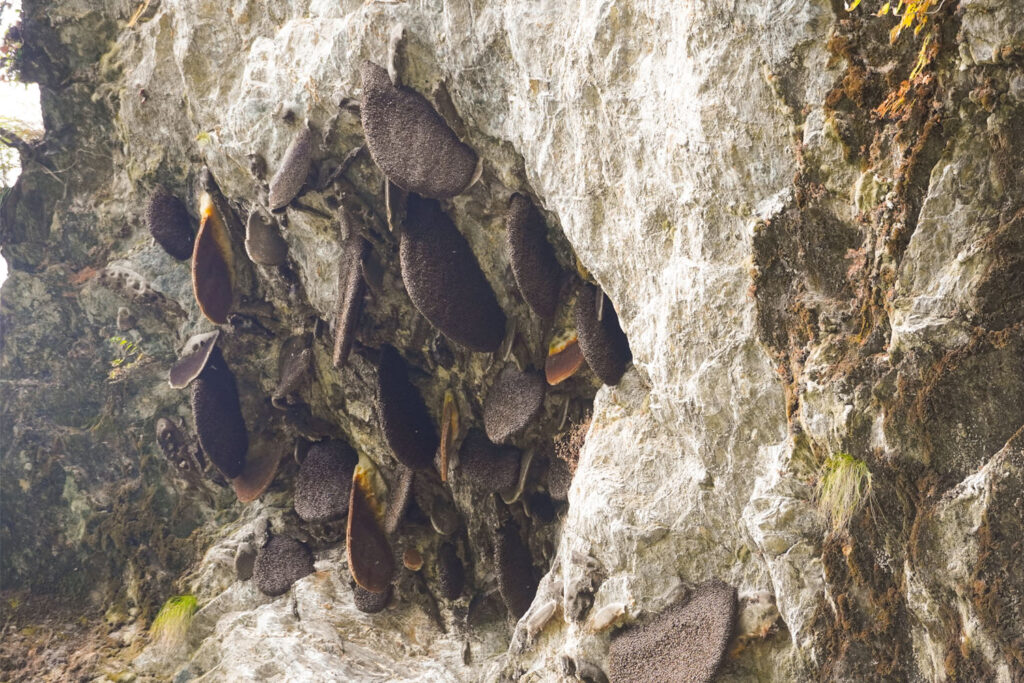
(805, 262)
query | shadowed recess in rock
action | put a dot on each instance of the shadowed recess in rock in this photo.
(444, 516)
(451, 575)
(369, 554)
(294, 365)
(685, 643)
(603, 343)
(294, 169)
(213, 276)
(351, 293)
(280, 563)
(444, 279)
(195, 356)
(515, 493)
(368, 601)
(245, 561)
(513, 402)
(559, 479)
(534, 266)
(516, 581)
(170, 223)
(541, 507)
(170, 437)
(588, 672)
(404, 419)
(323, 485)
(218, 416)
(449, 429)
(486, 466)
(410, 142)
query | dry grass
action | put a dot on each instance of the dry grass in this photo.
(171, 624)
(844, 487)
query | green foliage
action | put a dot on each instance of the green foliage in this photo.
(127, 349)
(843, 488)
(910, 13)
(14, 133)
(916, 14)
(129, 354)
(10, 43)
(171, 624)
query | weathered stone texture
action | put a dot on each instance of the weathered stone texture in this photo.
(802, 263)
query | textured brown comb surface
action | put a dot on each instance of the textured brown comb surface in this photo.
(444, 279)
(404, 419)
(513, 402)
(218, 416)
(516, 581)
(684, 644)
(369, 602)
(291, 174)
(323, 485)
(603, 343)
(490, 467)
(169, 223)
(280, 563)
(410, 141)
(534, 266)
(451, 575)
(398, 499)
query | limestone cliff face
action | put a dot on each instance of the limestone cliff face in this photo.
(809, 253)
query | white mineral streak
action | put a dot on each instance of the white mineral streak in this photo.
(938, 283)
(656, 132)
(989, 26)
(944, 264)
(940, 579)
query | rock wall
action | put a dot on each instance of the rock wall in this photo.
(813, 246)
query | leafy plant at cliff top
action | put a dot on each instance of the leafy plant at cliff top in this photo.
(911, 13)
(171, 624)
(843, 488)
(11, 43)
(14, 133)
